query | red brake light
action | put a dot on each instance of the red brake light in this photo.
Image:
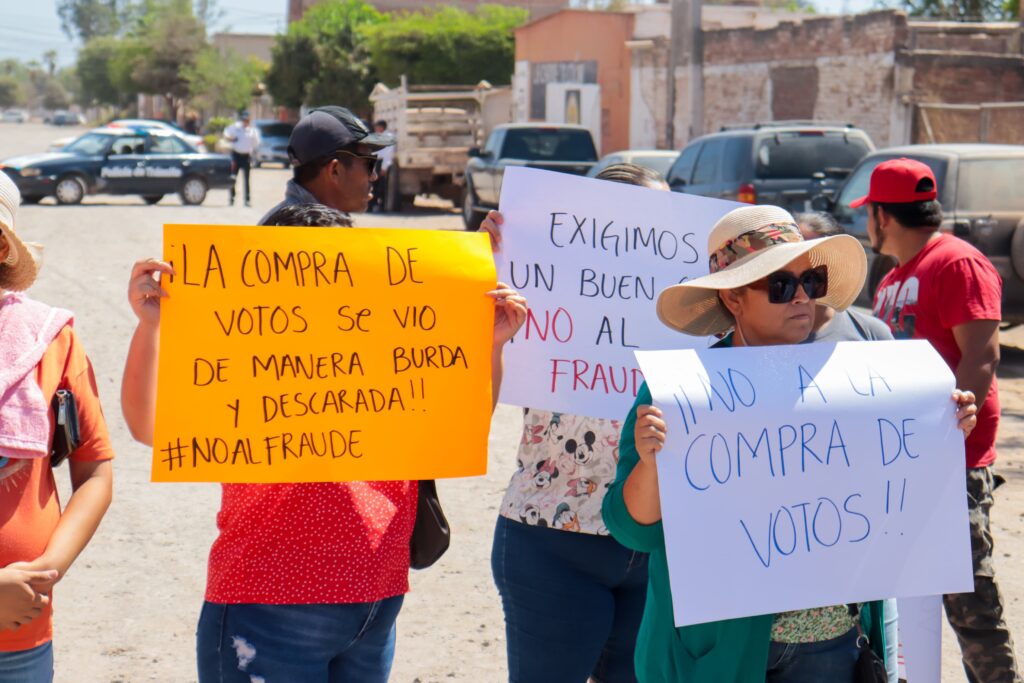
(747, 194)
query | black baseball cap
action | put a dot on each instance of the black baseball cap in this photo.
(325, 130)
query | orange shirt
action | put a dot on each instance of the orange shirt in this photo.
(29, 506)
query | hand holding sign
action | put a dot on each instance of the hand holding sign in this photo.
(796, 465)
(592, 255)
(301, 354)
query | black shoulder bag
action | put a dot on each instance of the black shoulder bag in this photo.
(430, 535)
(869, 668)
(66, 437)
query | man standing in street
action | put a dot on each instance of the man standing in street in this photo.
(245, 141)
(946, 291)
(387, 157)
(334, 161)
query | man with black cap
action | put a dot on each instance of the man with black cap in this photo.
(333, 155)
(946, 291)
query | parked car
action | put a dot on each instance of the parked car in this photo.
(657, 160)
(273, 147)
(786, 163)
(568, 149)
(159, 124)
(981, 203)
(66, 118)
(150, 163)
(15, 116)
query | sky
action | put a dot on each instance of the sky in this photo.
(28, 28)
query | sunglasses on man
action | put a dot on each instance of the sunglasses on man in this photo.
(782, 285)
(372, 162)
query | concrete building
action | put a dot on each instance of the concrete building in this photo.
(537, 8)
(256, 45)
(902, 81)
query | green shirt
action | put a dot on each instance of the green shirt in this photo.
(733, 651)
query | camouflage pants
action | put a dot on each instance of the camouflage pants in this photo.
(977, 618)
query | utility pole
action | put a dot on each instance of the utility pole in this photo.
(686, 48)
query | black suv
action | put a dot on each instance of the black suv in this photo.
(981, 203)
(785, 163)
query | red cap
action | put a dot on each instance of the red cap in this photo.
(896, 181)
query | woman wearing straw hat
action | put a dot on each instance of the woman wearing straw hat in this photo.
(764, 284)
(40, 355)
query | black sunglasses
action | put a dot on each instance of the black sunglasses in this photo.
(782, 285)
(372, 162)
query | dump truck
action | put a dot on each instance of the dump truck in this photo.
(435, 126)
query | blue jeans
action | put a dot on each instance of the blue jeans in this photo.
(573, 604)
(27, 666)
(297, 643)
(829, 660)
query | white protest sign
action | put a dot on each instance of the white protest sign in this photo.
(805, 476)
(592, 256)
(920, 627)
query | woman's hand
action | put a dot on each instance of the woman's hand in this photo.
(509, 312)
(492, 226)
(144, 290)
(966, 412)
(649, 433)
(21, 596)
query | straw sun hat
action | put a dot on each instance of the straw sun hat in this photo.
(746, 245)
(19, 270)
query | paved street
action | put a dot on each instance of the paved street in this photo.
(127, 611)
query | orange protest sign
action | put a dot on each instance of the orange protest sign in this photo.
(323, 354)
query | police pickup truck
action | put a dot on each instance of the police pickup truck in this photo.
(150, 163)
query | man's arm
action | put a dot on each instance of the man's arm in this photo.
(979, 345)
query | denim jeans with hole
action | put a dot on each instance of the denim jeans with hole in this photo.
(573, 604)
(27, 666)
(297, 643)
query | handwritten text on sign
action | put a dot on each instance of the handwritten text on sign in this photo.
(592, 257)
(321, 354)
(806, 476)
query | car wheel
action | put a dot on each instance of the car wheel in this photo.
(152, 198)
(31, 199)
(69, 190)
(193, 191)
(471, 216)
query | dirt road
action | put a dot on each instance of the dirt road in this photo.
(127, 611)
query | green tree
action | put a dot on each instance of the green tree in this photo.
(223, 82)
(88, 19)
(55, 96)
(102, 78)
(165, 43)
(10, 92)
(962, 10)
(322, 59)
(447, 45)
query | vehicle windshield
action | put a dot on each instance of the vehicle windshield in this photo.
(990, 185)
(276, 130)
(549, 145)
(659, 164)
(801, 155)
(90, 144)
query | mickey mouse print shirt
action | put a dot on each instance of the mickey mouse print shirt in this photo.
(565, 465)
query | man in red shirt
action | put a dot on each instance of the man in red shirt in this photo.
(946, 291)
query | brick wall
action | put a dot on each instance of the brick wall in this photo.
(963, 79)
(835, 69)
